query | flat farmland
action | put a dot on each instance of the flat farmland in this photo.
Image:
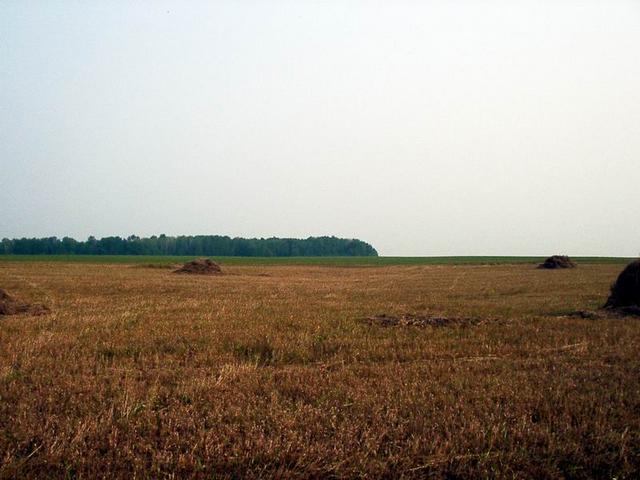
(344, 261)
(270, 370)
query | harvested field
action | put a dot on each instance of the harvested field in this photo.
(264, 372)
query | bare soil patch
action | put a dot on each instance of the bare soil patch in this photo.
(415, 320)
(585, 314)
(557, 261)
(200, 266)
(632, 311)
(602, 313)
(11, 306)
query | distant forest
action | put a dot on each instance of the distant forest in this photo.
(198, 245)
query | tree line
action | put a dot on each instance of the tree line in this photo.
(197, 245)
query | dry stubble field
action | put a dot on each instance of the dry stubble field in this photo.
(266, 371)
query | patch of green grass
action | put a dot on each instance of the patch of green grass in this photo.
(159, 260)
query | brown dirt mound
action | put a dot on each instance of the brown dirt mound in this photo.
(201, 266)
(412, 320)
(557, 261)
(10, 306)
(625, 292)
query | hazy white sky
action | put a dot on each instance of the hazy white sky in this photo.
(423, 127)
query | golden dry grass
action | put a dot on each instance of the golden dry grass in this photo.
(266, 372)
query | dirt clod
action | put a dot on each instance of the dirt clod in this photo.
(557, 261)
(584, 314)
(625, 291)
(200, 266)
(10, 306)
(413, 320)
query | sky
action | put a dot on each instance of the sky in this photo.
(466, 127)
